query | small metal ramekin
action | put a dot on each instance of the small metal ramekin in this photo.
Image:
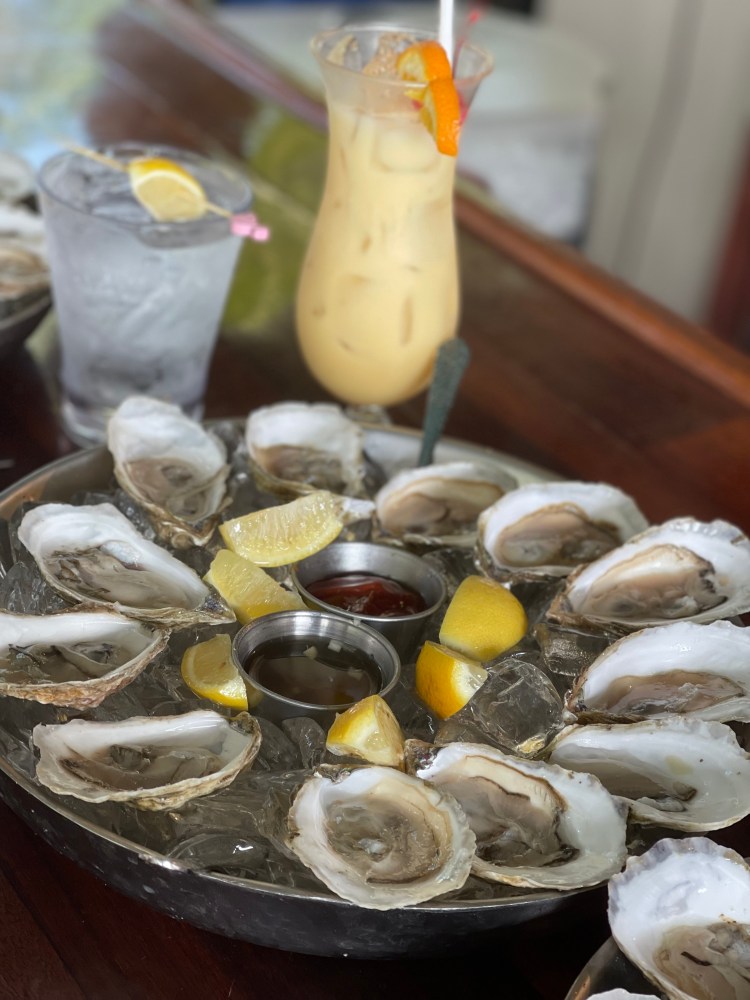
(404, 631)
(318, 628)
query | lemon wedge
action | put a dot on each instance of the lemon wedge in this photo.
(368, 730)
(248, 590)
(483, 619)
(167, 191)
(210, 672)
(277, 536)
(446, 680)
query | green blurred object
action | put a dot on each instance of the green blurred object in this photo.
(286, 161)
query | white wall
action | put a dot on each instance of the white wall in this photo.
(675, 137)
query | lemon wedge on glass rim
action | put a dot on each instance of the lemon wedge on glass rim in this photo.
(167, 191)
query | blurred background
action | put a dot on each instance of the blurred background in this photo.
(619, 127)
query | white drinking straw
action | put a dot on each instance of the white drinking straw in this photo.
(445, 27)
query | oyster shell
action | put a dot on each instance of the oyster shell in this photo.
(153, 763)
(681, 668)
(681, 913)
(547, 529)
(619, 994)
(536, 824)
(440, 503)
(94, 554)
(16, 178)
(682, 569)
(75, 658)
(171, 466)
(380, 838)
(684, 774)
(298, 447)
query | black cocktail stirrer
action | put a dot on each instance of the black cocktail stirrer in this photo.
(450, 365)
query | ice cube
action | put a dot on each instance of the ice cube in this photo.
(517, 708)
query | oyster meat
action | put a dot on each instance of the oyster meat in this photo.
(298, 447)
(170, 465)
(380, 838)
(440, 503)
(95, 555)
(75, 658)
(681, 913)
(157, 762)
(536, 824)
(547, 529)
(680, 773)
(682, 569)
(681, 668)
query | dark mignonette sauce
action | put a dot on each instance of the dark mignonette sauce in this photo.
(314, 672)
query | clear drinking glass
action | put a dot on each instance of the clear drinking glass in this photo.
(379, 289)
(138, 302)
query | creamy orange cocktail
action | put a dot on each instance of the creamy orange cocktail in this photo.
(379, 290)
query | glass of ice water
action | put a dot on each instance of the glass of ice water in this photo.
(138, 302)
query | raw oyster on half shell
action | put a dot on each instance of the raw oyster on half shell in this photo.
(684, 774)
(157, 762)
(24, 274)
(299, 447)
(170, 465)
(536, 824)
(95, 555)
(681, 668)
(440, 503)
(683, 569)
(75, 658)
(547, 529)
(380, 838)
(681, 913)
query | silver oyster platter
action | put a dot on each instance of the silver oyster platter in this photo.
(609, 969)
(295, 918)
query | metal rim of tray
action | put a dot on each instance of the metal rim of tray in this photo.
(91, 469)
(609, 969)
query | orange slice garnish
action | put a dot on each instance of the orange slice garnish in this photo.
(439, 104)
(441, 113)
(423, 62)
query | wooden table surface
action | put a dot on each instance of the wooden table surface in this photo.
(569, 370)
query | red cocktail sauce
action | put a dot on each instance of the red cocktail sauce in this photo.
(368, 594)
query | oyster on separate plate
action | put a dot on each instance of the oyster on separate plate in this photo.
(681, 668)
(547, 529)
(95, 555)
(681, 913)
(157, 762)
(380, 838)
(298, 447)
(680, 773)
(536, 824)
(440, 503)
(172, 466)
(75, 658)
(683, 569)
